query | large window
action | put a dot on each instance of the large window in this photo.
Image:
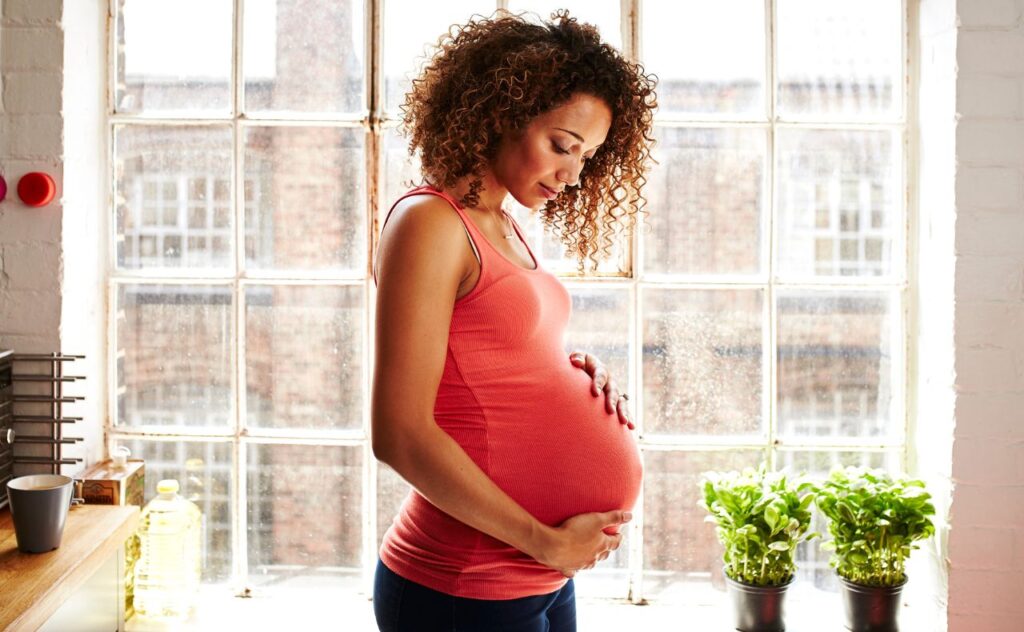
(758, 315)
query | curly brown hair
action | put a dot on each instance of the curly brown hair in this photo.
(493, 76)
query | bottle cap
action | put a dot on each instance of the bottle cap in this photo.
(167, 486)
(119, 456)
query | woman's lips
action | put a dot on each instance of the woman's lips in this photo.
(548, 193)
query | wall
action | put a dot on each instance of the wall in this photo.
(52, 69)
(32, 65)
(986, 541)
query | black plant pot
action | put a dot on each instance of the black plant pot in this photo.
(758, 608)
(871, 608)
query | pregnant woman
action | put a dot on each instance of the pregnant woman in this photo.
(521, 456)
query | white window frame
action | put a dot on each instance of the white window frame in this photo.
(374, 121)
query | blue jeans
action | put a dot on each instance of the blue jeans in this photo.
(404, 606)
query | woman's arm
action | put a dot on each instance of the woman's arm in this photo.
(424, 256)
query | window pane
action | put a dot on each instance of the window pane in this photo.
(203, 470)
(709, 56)
(840, 203)
(610, 578)
(599, 325)
(706, 198)
(158, 72)
(835, 364)
(303, 356)
(172, 196)
(305, 516)
(839, 60)
(399, 172)
(604, 14)
(305, 198)
(176, 345)
(812, 562)
(682, 555)
(411, 29)
(550, 251)
(304, 56)
(391, 491)
(703, 361)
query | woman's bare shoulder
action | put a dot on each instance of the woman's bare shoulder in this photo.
(424, 226)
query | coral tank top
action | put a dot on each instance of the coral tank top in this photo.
(512, 400)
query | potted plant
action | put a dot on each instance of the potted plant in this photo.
(761, 517)
(874, 519)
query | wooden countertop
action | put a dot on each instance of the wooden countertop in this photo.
(34, 585)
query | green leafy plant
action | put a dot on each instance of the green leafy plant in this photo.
(874, 520)
(762, 517)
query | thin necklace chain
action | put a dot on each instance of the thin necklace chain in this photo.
(507, 222)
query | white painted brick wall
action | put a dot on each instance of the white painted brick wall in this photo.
(32, 11)
(985, 188)
(52, 71)
(31, 57)
(986, 542)
(31, 47)
(24, 92)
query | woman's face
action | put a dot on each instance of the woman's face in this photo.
(550, 153)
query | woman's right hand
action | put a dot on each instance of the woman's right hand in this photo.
(582, 541)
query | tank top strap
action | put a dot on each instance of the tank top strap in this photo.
(472, 232)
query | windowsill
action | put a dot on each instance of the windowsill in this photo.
(808, 610)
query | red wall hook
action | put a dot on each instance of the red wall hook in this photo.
(36, 189)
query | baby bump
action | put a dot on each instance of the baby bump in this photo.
(559, 452)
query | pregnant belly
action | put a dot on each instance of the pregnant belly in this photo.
(559, 453)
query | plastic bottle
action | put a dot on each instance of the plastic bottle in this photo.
(167, 574)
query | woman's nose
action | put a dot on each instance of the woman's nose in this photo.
(569, 175)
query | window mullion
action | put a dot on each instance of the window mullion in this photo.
(770, 336)
(239, 538)
(629, 26)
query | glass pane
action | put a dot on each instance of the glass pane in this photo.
(304, 356)
(175, 341)
(610, 578)
(305, 516)
(599, 325)
(840, 203)
(835, 364)
(391, 491)
(304, 56)
(703, 363)
(158, 72)
(550, 251)
(204, 473)
(709, 56)
(399, 172)
(706, 198)
(812, 562)
(839, 60)
(411, 29)
(305, 198)
(604, 14)
(682, 555)
(173, 197)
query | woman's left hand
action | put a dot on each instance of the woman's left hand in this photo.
(601, 380)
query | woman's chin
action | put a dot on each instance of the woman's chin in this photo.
(533, 203)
